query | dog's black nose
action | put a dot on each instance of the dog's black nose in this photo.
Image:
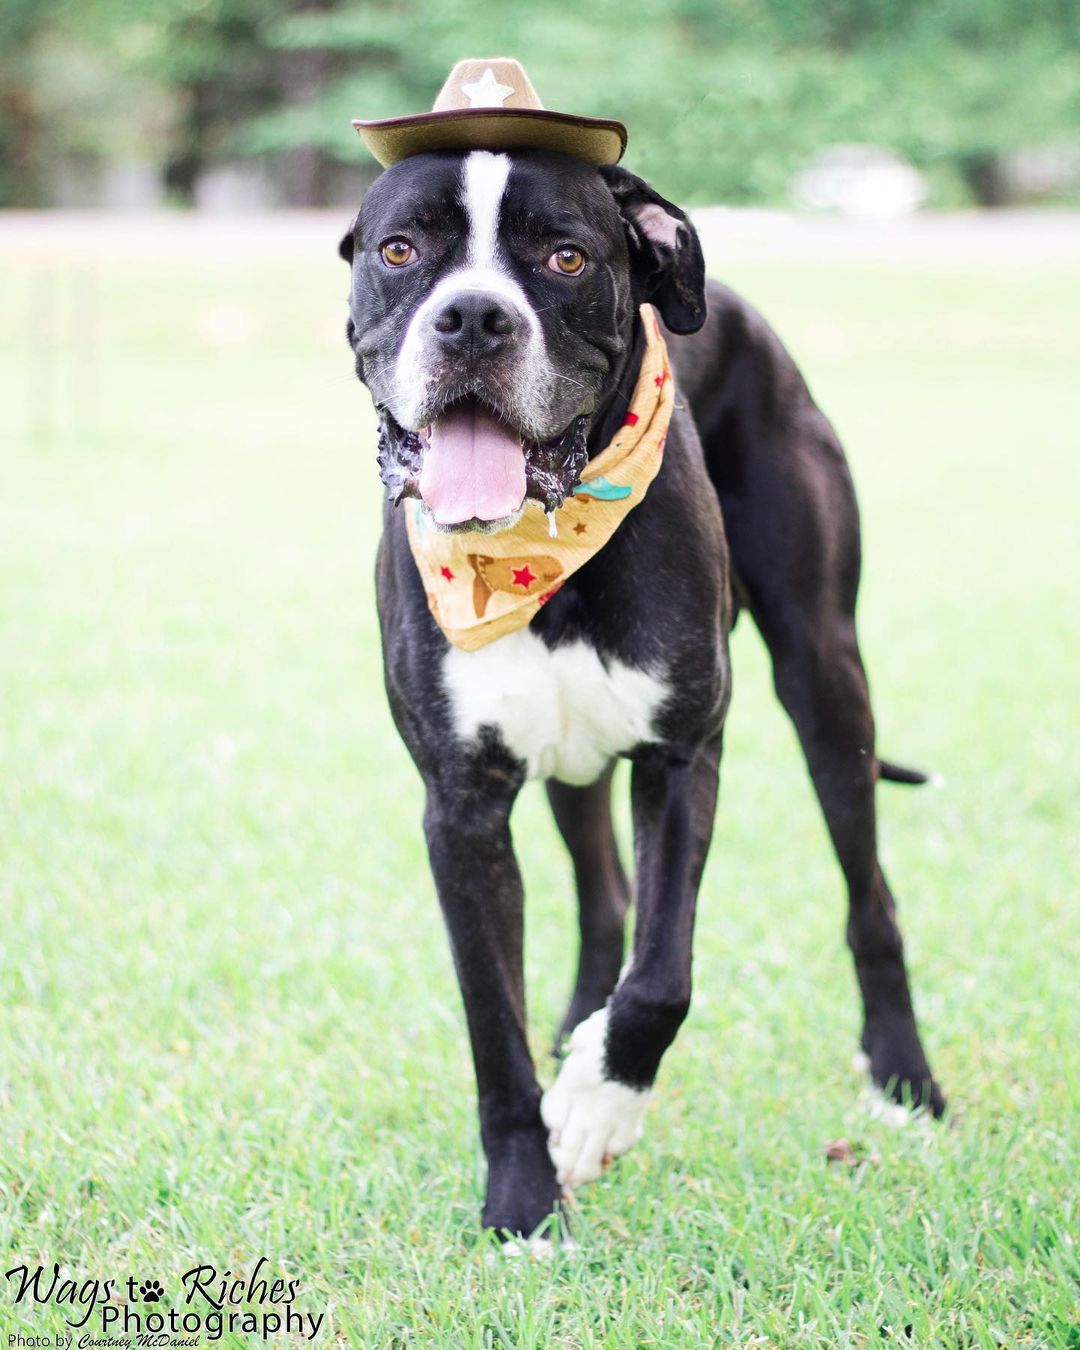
(476, 322)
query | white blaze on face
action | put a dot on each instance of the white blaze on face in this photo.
(484, 178)
(528, 387)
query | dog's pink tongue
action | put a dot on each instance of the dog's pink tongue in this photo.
(474, 468)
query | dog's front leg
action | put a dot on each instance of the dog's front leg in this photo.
(467, 824)
(595, 1108)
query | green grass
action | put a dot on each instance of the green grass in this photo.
(229, 1022)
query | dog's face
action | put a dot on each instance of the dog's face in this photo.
(492, 305)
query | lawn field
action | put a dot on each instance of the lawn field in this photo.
(229, 1026)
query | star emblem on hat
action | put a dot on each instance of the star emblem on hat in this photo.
(468, 114)
(486, 92)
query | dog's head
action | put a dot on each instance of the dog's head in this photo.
(492, 307)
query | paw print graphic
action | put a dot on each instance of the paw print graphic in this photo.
(151, 1291)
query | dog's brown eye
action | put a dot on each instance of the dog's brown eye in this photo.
(397, 252)
(569, 261)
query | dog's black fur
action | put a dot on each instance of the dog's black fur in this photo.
(753, 509)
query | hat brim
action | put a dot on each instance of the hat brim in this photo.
(592, 139)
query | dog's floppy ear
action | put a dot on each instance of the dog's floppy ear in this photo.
(665, 252)
(345, 248)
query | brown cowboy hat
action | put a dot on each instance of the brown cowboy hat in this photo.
(491, 105)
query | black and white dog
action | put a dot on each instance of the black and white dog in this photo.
(504, 288)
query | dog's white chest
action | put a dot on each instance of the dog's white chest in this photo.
(563, 712)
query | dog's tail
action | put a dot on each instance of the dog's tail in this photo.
(897, 773)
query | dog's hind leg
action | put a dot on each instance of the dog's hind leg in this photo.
(583, 815)
(822, 685)
(793, 530)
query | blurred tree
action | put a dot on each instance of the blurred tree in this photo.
(22, 25)
(304, 72)
(724, 99)
(211, 53)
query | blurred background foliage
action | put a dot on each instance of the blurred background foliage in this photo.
(725, 99)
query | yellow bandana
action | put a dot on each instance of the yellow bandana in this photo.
(481, 586)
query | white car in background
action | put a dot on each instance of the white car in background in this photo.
(865, 181)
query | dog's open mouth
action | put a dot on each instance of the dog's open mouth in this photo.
(474, 470)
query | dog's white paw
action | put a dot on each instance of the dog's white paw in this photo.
(590, 1118)
(877, 1103)
(534, 1249)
